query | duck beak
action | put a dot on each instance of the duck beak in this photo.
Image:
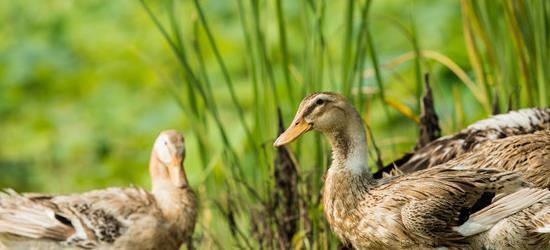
(298, 127)
(177, 174)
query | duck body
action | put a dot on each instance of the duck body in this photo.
(482, 134)
(423, 210)
(453, 205)
(527, 154)
(112, 218)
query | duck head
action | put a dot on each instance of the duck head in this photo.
(325, 112)
(166, 164)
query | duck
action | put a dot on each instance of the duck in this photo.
(529, 125)
(112, 218)
(452, 206)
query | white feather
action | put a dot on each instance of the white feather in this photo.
(545, 229)
(502, 208)
(521, 118)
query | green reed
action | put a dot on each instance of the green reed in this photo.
(289, 49)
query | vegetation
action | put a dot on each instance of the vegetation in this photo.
(86, 86)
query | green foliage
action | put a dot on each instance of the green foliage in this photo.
(85, 86)
(508, 44)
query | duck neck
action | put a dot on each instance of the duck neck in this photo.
(175, 202)
(348, 178)
(349, 147)
(178, 205)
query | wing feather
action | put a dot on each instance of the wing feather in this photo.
(85, 219)
(514, 123)
(445, 199)
(500, 209)
(20, 215)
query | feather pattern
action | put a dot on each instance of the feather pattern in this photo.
(527, 154)
(128, 218)
(513, 123)
(522, 230)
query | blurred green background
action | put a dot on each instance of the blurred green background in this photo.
(86, 86)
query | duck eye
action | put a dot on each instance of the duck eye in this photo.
(319, 101)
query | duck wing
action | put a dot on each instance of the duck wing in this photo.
(527, 154)
(505, 206)
(521, 122)
(84, 220)
(432, 202)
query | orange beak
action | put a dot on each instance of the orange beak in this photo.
(298, 127)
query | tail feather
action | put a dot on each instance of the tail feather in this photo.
(21, 216)
(500, 209)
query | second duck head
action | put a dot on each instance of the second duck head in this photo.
(167, 160)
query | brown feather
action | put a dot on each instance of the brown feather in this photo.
(521, 122)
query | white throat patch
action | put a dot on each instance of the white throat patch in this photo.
(164, 148)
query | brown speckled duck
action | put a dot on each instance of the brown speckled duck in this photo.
(531, 126)
(453, 206)
(117, 218)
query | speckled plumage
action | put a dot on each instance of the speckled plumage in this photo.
(512, 124)
(118, 218)
(518, 231)
(450, 205)
(527, 154)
